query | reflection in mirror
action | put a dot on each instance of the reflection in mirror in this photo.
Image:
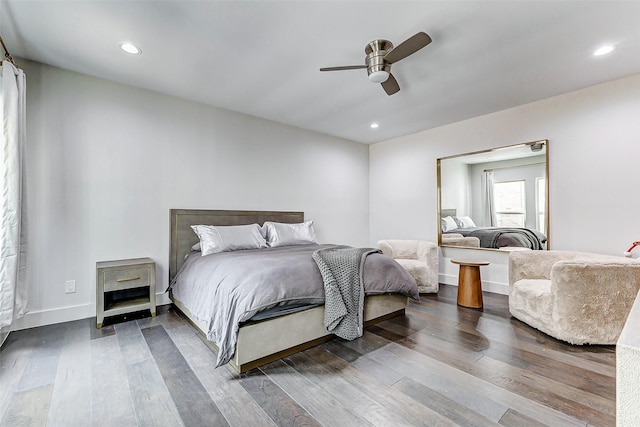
(495, 199)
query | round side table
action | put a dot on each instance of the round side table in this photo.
(469, 283)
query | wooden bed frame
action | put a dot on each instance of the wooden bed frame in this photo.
(263, 342)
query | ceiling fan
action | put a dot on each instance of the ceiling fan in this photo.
(381, 54)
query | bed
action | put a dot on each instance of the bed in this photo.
(492, 237)
(260, 341)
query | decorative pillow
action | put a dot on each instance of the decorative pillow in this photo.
(214, 239)
(466, 222)
(458, 222)
(281, 234)
(448, 223)
(196, 247)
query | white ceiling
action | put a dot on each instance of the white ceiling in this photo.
(262, 57)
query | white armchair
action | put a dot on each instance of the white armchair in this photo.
(418, 257)
(578, 297)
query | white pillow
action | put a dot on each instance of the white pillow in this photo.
(448, 223)
(214, 239)
(466, 221)
(281, 234)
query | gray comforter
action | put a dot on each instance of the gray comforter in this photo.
(496, 237)
(228, 288)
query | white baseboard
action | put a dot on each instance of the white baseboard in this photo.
(495, 276)
(67, 314)
(487, 285)
(52, 316)
(494, 287)
(163, 299)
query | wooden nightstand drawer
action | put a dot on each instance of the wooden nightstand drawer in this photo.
(126, 278)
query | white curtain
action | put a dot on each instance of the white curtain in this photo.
(13, 242)
(487, 190)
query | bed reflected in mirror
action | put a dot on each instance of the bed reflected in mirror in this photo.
(495, 199)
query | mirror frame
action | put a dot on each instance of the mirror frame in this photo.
(489, 150)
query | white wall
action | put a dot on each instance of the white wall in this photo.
(509, 170)
(455, 186)
(594, 159)
(106, 162)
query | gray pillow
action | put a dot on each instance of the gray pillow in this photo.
(281, 234)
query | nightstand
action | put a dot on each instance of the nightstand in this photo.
(125, 286)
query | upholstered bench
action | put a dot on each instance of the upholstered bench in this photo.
(456, 239)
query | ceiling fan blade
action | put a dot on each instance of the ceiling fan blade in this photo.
(408, 47)
(390, 85)
(345, 67)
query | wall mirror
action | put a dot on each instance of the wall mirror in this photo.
(495, 199)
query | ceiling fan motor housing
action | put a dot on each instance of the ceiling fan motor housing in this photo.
(377, 69)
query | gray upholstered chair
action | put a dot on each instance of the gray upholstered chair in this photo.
(578, 297)
(418, 257)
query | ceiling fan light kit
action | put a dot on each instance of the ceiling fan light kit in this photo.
(378, 76)
(380, 54)
(377, 69)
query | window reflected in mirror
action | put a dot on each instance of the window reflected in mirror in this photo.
(495, 199)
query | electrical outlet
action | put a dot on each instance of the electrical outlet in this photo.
(69, 286)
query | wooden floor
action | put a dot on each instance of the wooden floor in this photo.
(439, 365)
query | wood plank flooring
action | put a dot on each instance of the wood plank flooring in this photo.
(441, 364)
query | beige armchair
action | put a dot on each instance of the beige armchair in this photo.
(578, 297)
(418, 257)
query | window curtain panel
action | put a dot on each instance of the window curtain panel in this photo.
(13, 244)
(487, 190)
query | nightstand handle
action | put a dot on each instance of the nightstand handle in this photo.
(128, 279)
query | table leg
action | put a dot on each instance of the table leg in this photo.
(469, 286)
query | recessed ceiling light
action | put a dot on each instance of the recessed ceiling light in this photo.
(603, 50)
(130, 48)
(374, 126)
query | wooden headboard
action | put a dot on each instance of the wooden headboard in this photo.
(182, 237)
(447, 212)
